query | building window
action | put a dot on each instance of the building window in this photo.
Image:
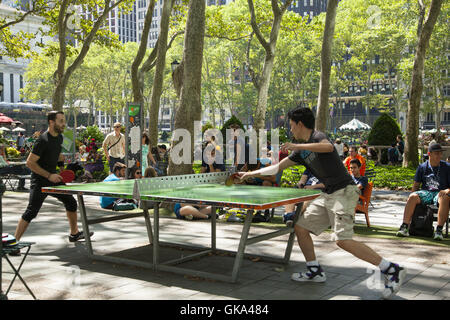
(430, 117)
(446, 116)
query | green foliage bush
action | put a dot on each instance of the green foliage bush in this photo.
(12, 153)
(387, 177)
(93, 132)
(384, 131)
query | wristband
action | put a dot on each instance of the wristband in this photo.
(301, 185)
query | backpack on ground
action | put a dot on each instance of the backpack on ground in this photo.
(422, 222)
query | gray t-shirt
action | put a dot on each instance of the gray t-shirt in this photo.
(326, 166)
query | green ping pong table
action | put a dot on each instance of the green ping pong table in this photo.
(199, 189)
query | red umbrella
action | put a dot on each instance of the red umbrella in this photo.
(5, 119)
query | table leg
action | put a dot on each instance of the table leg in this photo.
(242, 244)
(155, 236)
(85, 224)
(213, 228)
(148, 223)
(290, 244)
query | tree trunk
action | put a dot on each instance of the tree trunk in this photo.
(411, 158)
(324, 87)
(62, 75)
(137, 77)
(159, 72)
(269, 47)
(190, 107)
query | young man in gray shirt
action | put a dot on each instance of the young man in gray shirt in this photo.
(335, 206)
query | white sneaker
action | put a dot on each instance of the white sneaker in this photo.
(314, 274)
(403, 231)
(438, 235)
(394, 277)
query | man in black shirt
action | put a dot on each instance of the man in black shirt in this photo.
(335, 206)
(42, 161)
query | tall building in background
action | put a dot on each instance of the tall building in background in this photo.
(124, 25)
(309, 8)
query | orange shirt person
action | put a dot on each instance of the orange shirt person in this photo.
(353, 154)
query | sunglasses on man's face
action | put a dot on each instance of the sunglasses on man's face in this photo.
(138, 172)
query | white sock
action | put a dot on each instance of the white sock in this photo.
(384, 265)
(313, 263)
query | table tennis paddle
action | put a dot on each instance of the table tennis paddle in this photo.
(230, 180)
(67, 175)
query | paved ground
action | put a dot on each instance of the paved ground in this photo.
(57, 269)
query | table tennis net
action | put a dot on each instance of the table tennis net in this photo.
(145, 186)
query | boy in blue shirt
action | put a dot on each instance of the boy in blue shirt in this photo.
(360, 181)
(434, 178)
(119, 170)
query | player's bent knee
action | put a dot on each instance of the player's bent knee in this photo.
(414, 197)
(29, 215)
(300, 231)
(71, 205)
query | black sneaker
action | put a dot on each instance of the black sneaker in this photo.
(78, 236)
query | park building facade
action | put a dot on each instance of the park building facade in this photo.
(12, 70)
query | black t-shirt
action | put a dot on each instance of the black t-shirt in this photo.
(48, 148)
(325, 166)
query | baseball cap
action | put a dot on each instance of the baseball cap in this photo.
(435, 147)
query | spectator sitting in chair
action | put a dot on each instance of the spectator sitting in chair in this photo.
(353, 154)
(307, 181)
(135, 173)
(434, 178)
(119, 170)
(361, 181)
